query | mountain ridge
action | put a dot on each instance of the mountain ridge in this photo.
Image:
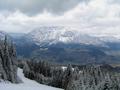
(53, 35)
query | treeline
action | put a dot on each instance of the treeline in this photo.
(90, 77)
(46, 73)
(8, 61)
(94, 78)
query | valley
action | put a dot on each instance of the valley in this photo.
(51, 43)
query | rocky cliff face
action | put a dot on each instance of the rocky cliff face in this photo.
(8, 63)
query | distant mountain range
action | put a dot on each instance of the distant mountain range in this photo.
(67, 45)
(53, 35)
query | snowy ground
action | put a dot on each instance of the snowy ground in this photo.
(26, 85)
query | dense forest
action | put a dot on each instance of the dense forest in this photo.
(87, 77)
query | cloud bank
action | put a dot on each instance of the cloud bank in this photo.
(32, 7)
(95, 16)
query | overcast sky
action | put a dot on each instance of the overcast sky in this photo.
(93, 15)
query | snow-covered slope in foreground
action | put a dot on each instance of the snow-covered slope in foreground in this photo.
(26, 85)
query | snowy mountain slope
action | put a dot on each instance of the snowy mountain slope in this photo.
(53, 35)
(26, 85)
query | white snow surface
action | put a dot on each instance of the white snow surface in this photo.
(26, 85)
(56, 34)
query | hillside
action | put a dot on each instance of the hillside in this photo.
(51, 43)
(26, 85)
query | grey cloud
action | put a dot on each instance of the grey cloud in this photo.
(114, 1)
(32, 7)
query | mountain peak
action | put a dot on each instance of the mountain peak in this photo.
(62, 34)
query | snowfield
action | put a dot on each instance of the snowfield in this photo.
(26, 85)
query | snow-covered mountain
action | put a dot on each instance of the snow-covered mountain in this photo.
(56, 34)
(52, 42)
